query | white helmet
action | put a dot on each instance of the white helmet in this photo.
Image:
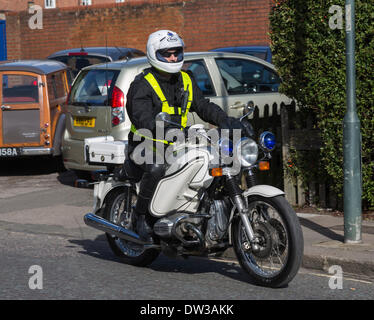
(164, 40)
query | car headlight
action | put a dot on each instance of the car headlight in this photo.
(247, 151)
(267, 141)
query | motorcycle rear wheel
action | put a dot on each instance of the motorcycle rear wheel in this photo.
(281, 243)
(118, 209)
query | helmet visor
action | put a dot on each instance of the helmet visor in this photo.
(168, 52)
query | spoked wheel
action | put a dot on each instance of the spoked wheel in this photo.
(119, 209)
(279, 240)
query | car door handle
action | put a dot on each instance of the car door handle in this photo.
(5, 107)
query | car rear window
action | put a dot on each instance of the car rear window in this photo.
(92, 87)
(20, 89)
(261, 55)
(76, 62)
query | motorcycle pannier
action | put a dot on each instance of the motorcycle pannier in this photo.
(104, 150)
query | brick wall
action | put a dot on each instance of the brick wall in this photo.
(203, 24)
(21, 5)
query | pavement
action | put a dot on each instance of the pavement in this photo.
(324, 246)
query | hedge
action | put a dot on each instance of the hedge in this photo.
(310, 58)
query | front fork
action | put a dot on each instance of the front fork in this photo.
(236, 195)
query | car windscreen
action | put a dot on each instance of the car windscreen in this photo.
(93, 87)
(76, 62)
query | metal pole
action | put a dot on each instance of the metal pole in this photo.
(351, 139)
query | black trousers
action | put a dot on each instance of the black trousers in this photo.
(153, 173)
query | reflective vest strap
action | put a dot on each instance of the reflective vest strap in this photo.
(156, 87)
(133, 130)
(187, 85)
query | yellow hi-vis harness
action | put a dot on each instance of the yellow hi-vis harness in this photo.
(187, 85)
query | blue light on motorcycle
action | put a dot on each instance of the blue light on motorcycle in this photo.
(226, 147)
(267, 140)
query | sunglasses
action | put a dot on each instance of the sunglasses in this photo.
(167, 54)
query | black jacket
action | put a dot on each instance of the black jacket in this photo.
(143, 103)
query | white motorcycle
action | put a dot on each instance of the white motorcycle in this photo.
(202, 210)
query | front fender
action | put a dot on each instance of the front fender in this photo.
(264, 191)
(259, 190)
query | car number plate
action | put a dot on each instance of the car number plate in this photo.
(84, 122)
(9, 152)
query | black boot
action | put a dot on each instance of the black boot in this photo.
(145, 231)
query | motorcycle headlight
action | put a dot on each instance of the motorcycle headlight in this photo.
(247, 151)
(267, 141)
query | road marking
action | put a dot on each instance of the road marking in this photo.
(301, 271)
(329, 276)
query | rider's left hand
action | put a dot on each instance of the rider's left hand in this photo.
(231, 123)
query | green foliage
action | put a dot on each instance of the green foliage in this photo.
(310, 57)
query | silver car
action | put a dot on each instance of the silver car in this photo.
(96, 104)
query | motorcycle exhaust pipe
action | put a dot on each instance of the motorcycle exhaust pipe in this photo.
(99, 223)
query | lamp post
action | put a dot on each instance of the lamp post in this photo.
(351, 139)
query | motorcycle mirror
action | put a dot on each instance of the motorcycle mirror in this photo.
(248, 109)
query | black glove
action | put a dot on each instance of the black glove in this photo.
(231, 123)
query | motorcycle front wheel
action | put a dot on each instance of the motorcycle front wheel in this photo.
(119, 209)
(280, 244)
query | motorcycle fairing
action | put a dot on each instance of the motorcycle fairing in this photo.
(179, 188)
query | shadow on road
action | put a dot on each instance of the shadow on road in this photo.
(36, 166)
(321, 230)
(199, 265)
(29, 166)
(99, 248)
(67, 178)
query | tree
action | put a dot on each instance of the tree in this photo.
(308, 45)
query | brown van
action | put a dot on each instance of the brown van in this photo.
(31, 96)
